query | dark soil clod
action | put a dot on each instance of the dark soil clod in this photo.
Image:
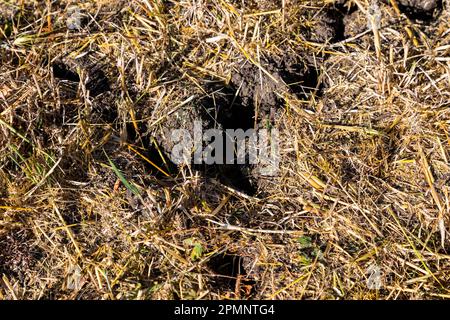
(302, 80)
(420, 9)
(330, 26)
(17, 254)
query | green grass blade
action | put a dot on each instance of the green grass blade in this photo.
(119, 174)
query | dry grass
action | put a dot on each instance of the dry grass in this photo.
(87, 210)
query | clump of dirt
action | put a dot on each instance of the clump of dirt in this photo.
(264, 87)
(355, 23)
(328, 26)
(17, 254)
(183, 118)
(420, 9)
(299, 73)
(256, 87)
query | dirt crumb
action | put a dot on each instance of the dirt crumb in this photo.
(18, 255)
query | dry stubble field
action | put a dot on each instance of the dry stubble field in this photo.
(91, 206)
